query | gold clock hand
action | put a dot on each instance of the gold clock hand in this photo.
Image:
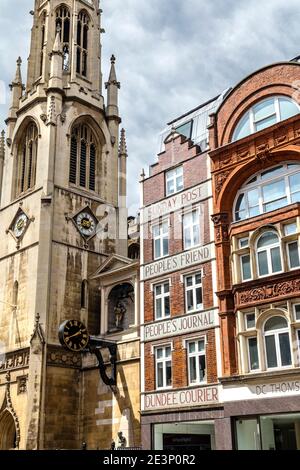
(75, 334)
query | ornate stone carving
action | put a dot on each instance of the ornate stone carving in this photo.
(263, 153)
(220, 180)
(57, 356)
(269, 291)
(22, 384)
(10, 408)
(15, 360)
(221, 226)
(242, 153)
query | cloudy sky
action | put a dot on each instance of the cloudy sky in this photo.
(171, 56)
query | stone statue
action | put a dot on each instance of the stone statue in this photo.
(122, 440)
(119, 312)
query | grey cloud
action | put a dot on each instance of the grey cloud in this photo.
(171, 56)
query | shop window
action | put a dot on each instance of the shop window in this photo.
(268, 254)
(191, 229)
(268, 191)
(161, 240)
(196, 361)
(277, 343)
(193, 292)
(162, 300)
(163, 365)
(174, 180)
(265, 114)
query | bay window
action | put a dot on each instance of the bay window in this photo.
(163, 366)
(161, 240)
(193, 292)
(162, 300)
(196, 361)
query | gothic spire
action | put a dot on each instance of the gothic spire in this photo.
(2, 145)
(18, 76)
(123, 145)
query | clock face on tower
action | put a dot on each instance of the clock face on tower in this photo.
(86, 224)
(20, 225)
(73, 335)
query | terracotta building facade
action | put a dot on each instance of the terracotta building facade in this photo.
(180, 393)
(255, 155)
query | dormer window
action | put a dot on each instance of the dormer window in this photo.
(265, 114)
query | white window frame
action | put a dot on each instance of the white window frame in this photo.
(260, 183)
(288, 254)
(247, 315)
(196, 354)
(190, 227)
(251, 115)
(276, 333)
(162, 235)
(294, 311)
(248, 352)
(240, 240)
(164, 360)
(193, 288)
(289, 225)
(172, 176)
(241, 266)
(269, 259)
(162, 298)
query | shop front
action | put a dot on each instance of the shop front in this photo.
(263, 416)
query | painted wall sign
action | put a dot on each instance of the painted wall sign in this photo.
(181, 398)
(176, 202)
(180, 325)
(263, 390)
(180, 261)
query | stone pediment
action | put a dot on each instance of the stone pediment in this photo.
(114, 264)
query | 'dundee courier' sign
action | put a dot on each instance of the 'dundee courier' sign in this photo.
(180, 261)
(181, 398)
(180, 325)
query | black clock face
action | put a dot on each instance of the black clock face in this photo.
(73, 335)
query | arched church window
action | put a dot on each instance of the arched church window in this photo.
(83, 157)
(82, 43)
(26, 159)
(269, 190)
(264, 114)
(63, 25)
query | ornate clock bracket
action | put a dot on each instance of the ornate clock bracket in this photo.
(95, 345)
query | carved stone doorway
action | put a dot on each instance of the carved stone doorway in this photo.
(8, 432)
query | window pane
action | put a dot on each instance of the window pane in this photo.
(243, 128)
(268, 238)
(269, 121)
(276, 323)
(193, 371)
(264, 109)
(287, 108)
(289, 229)
(190, 301)
(168, 351)
(199, 297)
(295, 197)
(253, 353)
(189, 281)
(294, 255)
(272, 206)
(158, 308)
(165, 246)
(179, 183)
(274, 191)
(253, 197)
(285, 349)
(158, 290)
(196, 235)
(166, 287)
(295, 182)
(240, 208)
(168, 373)
(185, 129)
(202, 367)
(160, 375)
(263, 263)
(159, 353)
(246, 267)
(269, 174)
(297, 312)
(192, 347)
(276, 260)
(157, 252)
(187, 238)
(201, 345)
(198, 278)
(243, 242)
(170, 187)
(271, 351)
(167, 306)
(250, 320)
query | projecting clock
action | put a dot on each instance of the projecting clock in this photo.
(86, 224)
(73, 335)
(20, 225)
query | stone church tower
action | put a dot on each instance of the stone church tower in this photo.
(62, 215)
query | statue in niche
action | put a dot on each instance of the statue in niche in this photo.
(122, 440)
(119, 312)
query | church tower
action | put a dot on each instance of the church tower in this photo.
(61, 217)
